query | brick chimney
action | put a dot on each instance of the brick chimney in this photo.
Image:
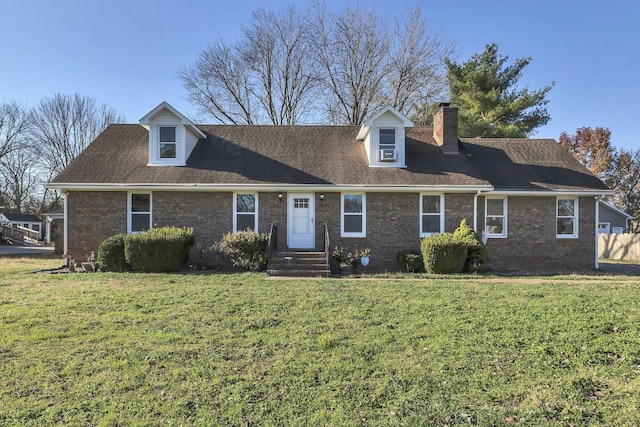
(445, 128)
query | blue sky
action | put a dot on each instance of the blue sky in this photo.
(125, 53)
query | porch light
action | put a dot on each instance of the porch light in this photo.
(280, 196)
(322, 197)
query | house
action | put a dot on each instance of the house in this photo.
(382, 186)
(611, 219)
(29, 221)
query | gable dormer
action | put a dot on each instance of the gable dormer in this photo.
(384, 138)
(172, 136)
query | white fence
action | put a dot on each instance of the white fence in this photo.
(619, 246)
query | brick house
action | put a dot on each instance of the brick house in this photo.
(382, 185)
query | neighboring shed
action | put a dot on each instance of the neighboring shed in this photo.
(14, 220)
(611, 219)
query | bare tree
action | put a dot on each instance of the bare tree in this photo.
(21, 180)
(219, 85)
(266, 77)
(276, 51)
(65, 124)
(351, 48)
(417, 73)
(15, 124)
(288, 67)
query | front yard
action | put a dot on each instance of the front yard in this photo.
(172, 349)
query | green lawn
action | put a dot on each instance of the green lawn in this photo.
(175, 350)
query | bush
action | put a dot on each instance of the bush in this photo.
(246, 249)
(443, 253)
(477, 256)
(159, 249)
(410, 261)
(111, 254)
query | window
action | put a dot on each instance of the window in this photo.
(139, 212)
(354, 220)
(167, 142)
(387, 139)
(495, 217)
(431, 214)
(567, 218)
(245, 211)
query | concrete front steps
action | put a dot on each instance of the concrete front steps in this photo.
(299, 264)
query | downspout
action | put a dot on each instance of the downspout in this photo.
(475, 211)
(597, 199)
(65, 249)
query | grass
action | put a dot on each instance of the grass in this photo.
(172, 349)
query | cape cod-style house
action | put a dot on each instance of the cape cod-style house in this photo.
(383, 186)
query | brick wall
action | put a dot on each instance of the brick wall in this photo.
(392, 225)
(92, 216)
(532, 244)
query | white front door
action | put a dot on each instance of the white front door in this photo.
(300, 219)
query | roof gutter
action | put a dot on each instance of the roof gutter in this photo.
(553, 193)
(266, 187)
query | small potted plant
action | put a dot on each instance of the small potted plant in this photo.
(365, 256)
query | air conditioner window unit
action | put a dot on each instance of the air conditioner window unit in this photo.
(387, 155)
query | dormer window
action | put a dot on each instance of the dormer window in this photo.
(384, 138)
(387, 139)
(168, 142)
(172, 136)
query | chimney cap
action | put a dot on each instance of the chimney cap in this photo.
(444, 104)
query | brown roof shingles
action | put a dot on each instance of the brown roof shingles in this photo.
(325, 155)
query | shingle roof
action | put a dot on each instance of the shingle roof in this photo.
(15, 217)
(326, 155)
(529, 165)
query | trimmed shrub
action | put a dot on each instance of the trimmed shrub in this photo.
(246, 249)
(443, 253)
(410, 261)
(111, 254)
(477, 256)
(159, 249)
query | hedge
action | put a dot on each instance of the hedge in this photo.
(159, 249)
(111, 254)
(443, 253)
(246, 249)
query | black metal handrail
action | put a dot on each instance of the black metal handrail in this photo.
(272, 245)
(327, 247)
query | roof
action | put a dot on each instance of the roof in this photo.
(15, 217)
(326, 155)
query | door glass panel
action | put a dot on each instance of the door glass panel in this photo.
(301, 215)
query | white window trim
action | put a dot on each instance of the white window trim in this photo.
(235, 210)
(364, 215)
(175, 142)
(395, 136)
(130, 213)
(177, 161)
(505, 210)
(422, 233)
(576, 215)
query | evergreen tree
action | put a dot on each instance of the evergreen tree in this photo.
(490, 104)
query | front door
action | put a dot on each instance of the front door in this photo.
(301, 227)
